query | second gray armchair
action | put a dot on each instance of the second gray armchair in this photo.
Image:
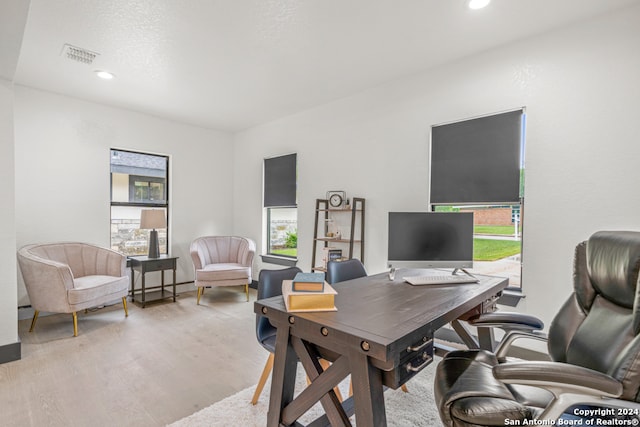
(222, 261)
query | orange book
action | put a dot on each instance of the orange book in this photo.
(308, 282)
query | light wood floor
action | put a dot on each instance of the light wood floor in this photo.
(160, 364)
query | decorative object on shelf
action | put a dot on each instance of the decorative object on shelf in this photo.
(330, 253)
(150, 219)
(308, 301)
(337, 199)
(308, 282)
(334, 255)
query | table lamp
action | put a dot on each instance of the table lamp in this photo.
(150, 219)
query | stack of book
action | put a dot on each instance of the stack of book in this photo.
(308, 292)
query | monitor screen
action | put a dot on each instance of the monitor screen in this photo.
(430, 239)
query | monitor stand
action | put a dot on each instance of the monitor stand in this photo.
(392, 272)
(455, 271)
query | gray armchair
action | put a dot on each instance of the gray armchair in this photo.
(594, 344)
(68, 277)
(222, 261)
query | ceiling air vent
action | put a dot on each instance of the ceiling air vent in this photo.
(79, 54)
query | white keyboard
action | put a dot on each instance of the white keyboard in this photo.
(439, 280)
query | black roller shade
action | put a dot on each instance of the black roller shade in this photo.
(477, 160)
(280, 181)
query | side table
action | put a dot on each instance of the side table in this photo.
(143, 265)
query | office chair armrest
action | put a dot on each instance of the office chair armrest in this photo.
(559, 378)
(506, 320)
(508, 339)
(515, 326)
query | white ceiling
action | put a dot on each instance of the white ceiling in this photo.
(232, 64)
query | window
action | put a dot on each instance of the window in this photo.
(477, 166)
(145, 189)
(138, 181)
(281, 207)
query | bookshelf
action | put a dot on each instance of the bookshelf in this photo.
(349, 223)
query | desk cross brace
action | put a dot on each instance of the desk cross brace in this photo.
(367, 402)
(321, 387)
(485, 336)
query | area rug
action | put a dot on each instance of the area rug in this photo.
(416, 408)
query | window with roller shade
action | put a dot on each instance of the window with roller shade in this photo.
(477, 165)
(280, 203)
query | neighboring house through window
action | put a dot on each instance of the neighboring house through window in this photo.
(138, 181)
(281, 209)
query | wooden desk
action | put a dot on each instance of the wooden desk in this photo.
(144, 265)
(382, 334)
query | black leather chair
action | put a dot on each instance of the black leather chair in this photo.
(269, 285)
(593, 342)
(339, 271)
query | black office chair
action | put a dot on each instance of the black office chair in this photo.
(340, 271)
(594, 342)
(270, 285)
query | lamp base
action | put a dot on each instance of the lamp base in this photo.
(154, 248)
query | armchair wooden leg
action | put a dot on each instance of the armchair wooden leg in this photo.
(246, 291)
(200, 292)
(124, 305)
(75, 324)
(33, 321)
(263, 379)
(404, 388)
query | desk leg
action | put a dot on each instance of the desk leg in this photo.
(143, 289)
(486, 338)
(174, 285)
(283, 377)
(464, 334)
(132, 285)
(367, 391)
(162, 282)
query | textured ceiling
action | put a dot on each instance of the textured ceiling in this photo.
(232, 64)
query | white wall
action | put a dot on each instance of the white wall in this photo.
(8, 289)
(581, 87)
(62, 172)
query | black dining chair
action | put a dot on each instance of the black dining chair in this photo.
(340, 271)
(270, 285)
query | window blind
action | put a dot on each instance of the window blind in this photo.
(477, 160)
(280, 181)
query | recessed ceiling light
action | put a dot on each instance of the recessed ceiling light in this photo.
(477, 4)
(104, 74)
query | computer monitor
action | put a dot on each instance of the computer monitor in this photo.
(430, 240)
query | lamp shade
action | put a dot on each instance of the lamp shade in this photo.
(152, 219)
